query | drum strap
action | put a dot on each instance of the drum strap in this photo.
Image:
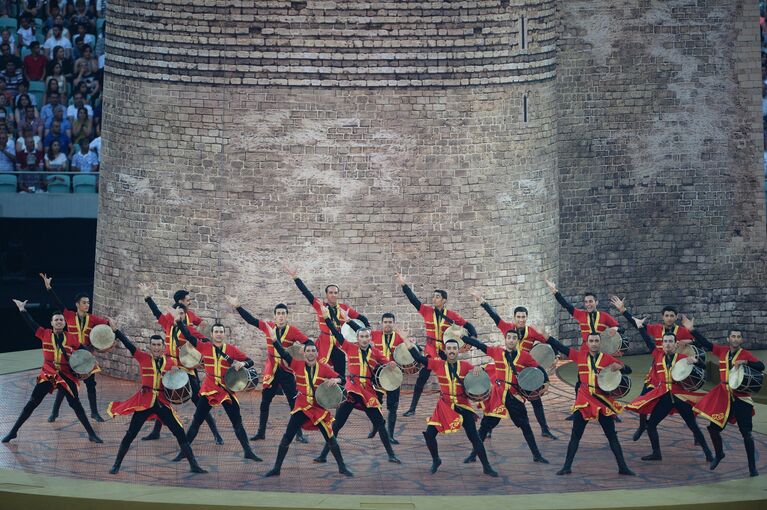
(310, 377)
(58, 341)
(82, 326)
(593, 322)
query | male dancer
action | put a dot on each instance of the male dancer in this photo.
(174, 339)
(656, 331)
(362, 360)
(386, 340)
(276, 374)
(150, 402)
(527, 337)
(217, 357)
(453, 409)
(505, 399)
(591, 403)
(307, 413)
(58, 345)
(79, 323)
(183, 297)
(324, 341)
(436, 318)
(722, 404)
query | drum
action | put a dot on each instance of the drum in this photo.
(387, 377)
(531, 383)
(349, 333)
(544, 355)
(82, 362)
(296, 350)
(611, 341)
(405, 360)
(613, 383)
(456, 332)
(102, 337)
(477, 387)
(243, 379)
(176, 386)
(692, 351)
(189, 356)
(745, 379)
(689, 377)
(329, 396)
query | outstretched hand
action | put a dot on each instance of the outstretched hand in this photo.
(640, 323)
(618, 303)
(232, 301)
(400, 279)
(688, 322)
(551, 285)
(145, 289)
(291, 271)
(21, 304)
(46, 280)
(477, 296)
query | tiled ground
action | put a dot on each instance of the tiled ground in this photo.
(61, 449)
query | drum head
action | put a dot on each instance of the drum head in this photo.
(236, 380)
(736, 377)
(102, 337)
(681, 370)
(608, 380)
(329, 396)
(692, 351)
(296, 350)
(544, 355)
(390, 377)
(175, 379)
(610, 341)
(402, 356)
(189, 356)
(82, 361)
(476, 385)
(530, 379)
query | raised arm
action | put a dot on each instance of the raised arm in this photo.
(33, 325)
(420, 358)
(698, 338)
(125, 341)
(247, 317)
(559, 297)
(558, 346)
(146, 291)
(487, 307)
(409, 292)
(54, 297)
(304, 290)
(283, 353)
(185, 331)
(474, 342)
(364, 319)
(471, 329)
(329, 322)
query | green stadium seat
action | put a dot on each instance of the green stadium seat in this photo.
(7, 183)
(85, 183)
(60, 185)
(9, 23)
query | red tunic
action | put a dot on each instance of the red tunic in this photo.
(506, 379)
(174, 338)
(715, 406)
(656, 331)
(213, 386)
(392, 340)
(663, 383)
(435, 328)
(193, 318)
(55, 360)
(289, 336)
(591, 400)
(451, 394)
(83, 333)
(359, 378)
(528, 338)
(326, 341)
(600, 322)
(305, 402)
(151, 390)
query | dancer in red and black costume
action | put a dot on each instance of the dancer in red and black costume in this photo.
(591, 403)
(656, 331)
(276, 374)
(528, 337)
(362, 359)
(722, 404)
(325, 343)
(150, 402)
(386, 340)
(79, 322)
(436, 318)
(217, 357)
(174, 339)
(55, 373)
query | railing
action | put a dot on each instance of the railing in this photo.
(50, 182)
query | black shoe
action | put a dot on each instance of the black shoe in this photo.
(93, 438)
(151, 437)
(52, 417)
(218, 439)
(569, 418)
(197, 469)
(639, 431)
(547, 433)
(252, 456)
(9, 436)
(372, 433)
(393, 441)
(539, 458)
(626, 471)
(115, 469)
(753, 472)
(471, 458)
(489, 434)
(272, 472)
(342, 470)
(716, 462)
(393, 458)
(435, 465)
(321, 459)
(490, 472)
(178, 458)
(653, 456)
(95, 416)
(564, 471)
(260, 437)
(302, 439)
(409, 412)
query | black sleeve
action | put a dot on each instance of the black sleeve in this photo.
(562, 300)
(247, 316)
(283, 353)
(629, 318)
(56, 301)
(249, 363)
(471, 329)
(126, 341)
(33, 325)
(558, 347)
(545, 374)
(701, 363)
(701, 341)
(354, 325)
(625, 369)
(648, 340)
(420, 358)
(756, 365)
(304, 290)
(411, 297)
(474, 342)
(337, 334)
(187, 334)
(364, 320)
(491, 312)
(153, 306)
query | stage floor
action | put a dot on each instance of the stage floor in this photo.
(61, 449)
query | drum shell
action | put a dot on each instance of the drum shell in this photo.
(82, 367)
(531, 383)
(244, 379)
(751, 381)
(407, 368)
(380, 384)
(177, 393)
(477, 389)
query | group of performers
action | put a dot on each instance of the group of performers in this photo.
(331, 359)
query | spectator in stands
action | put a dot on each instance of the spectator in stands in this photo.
(78, 101)
(7, 115)
(82, 31)
(34, 63)
(95, 146)
(57, 135)
(25, 132)
(8, 153)
(59, 115)
(82, 127)
(6, 55)
(24, 91)
(46, 112)
(21, 106)
(30, 119)
(59, 20)
(13, 77)
(26, 32)
(55, 159)
(57, 76)
(86, 70)
(7, 38)
(29, 159)
(56, 40)
(53, 10)
(33, 8)
(60, 57)
(85, 160)
(82, 16)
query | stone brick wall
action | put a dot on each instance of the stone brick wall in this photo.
(660, 147)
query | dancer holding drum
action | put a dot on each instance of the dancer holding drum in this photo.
(175, 346)
(436, 318)
(308, 413)
(454, 409)
(668, 394)
(528, 338)
(362, 360)
(724, 404)
(592, 402)
(218, 358)
(58, 345)
(80, 323)
(150, 402)
(505, 397)
(387, 340)
(276, 375)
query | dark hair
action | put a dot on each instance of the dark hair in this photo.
(217, 325)
(156, 337)
(453, 340)
(332, 285)
(34, 44)
(669, 309)
(78, 39)
(388, 315)
(309, 343)
(24, 82)
(669, 333)
(592, 294)
(281, 306)
(441, 292)
(50, 149)
(81, 295)
(520, 309)
(730, 329)
(56, 312)
(179, 294)
(179, 305)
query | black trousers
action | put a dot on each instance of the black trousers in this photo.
(469, 427)
(194, 384)
(232, 409)
(164, 414)
(373, 414)
(392, 399)
(282, 380)
(294, 425)
(742, 411)
(608, 427)
(518, 415)
(661, 410)
(90, 386)
(39, 392)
